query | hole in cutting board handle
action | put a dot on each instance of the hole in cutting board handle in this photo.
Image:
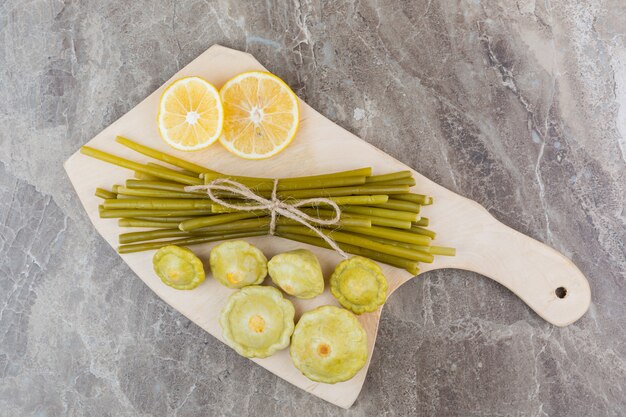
(561, 292)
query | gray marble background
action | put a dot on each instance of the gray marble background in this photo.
(520, 105)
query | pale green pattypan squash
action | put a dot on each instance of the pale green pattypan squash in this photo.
(359, 285)
(237, 264)
(178, 267)
(329, 345)
(257, 321)
(298, 273)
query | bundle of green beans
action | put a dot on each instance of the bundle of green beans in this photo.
(380, 217)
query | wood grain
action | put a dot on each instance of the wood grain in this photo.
(531, 270)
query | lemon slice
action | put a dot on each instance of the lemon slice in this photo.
(190, 114)
(261, 115)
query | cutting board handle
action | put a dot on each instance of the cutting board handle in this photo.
(542, 277)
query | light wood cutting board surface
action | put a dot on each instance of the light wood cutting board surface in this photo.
(530, 269)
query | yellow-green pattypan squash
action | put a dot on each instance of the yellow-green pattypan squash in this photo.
(298, 273)
(359, 285)
(257, 321)
(178, 267)
(237, 264)
(329, 345)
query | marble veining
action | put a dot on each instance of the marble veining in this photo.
(517, 104)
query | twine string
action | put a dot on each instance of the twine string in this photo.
(275, 206)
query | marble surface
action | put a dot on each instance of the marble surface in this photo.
(520, 105)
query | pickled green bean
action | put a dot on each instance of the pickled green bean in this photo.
(135, 166)
(165, 172)
(360, 200)
(422, 222)
(393, 234)
(246, 224)
(112, 214)
(386, 222)
(174, 220)
(144, 223)
(161, 185)
(345, 191)
(421, 199)
(441, 250)
(158, 204)
(143, 176)
(153, 193)
(153, 153)
(182, 171)
(393, 204)
(149, 235)
(187, 241)
(374, 221)
(344, 221)
(104, 194)
(201, 222)
(380, 212)
(388, 177)
(133, 237)
(423, 251)
(422, 231)
(216, 208)
(364, 172)
(265, 185)
(404, 181)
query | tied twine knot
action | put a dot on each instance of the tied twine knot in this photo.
(274, 205)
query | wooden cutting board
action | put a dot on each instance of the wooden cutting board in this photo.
(530, 269)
